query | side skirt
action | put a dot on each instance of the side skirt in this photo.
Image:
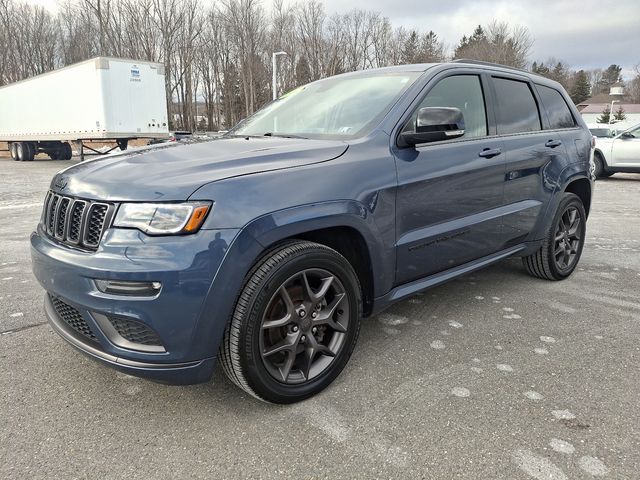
(408, 289)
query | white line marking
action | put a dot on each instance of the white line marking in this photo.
(23, 205)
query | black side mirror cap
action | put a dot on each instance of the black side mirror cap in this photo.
(434, 124)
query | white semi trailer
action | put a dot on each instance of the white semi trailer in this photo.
(102, 99)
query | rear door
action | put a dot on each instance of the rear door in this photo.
(530, 151)
(626, 149)
(449, 192)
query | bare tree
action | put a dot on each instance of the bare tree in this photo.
(498, 42)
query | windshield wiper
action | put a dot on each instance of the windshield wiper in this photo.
(284, 135)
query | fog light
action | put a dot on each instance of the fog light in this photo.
(136, 289)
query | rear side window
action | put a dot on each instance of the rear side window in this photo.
(516, 107)
(557, 110)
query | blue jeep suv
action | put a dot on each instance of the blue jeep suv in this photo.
(264, 249)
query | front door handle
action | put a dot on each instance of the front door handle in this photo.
(553, 143)
(490, 152)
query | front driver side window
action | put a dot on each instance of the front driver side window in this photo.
(463, 92)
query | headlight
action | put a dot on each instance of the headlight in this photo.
(162, 218)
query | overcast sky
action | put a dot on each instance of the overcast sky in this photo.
(583, 33)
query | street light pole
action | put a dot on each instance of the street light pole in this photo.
(274, 64)
(611, 110)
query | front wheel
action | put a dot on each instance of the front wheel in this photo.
(560, 252)
(295, 323)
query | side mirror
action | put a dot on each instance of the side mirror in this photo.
(626, 135)
(434, 124)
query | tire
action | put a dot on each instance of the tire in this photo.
(13, 152)
(66, 152)
(54, 154)
(31, 149)
(544, 263)
(22, 151)
(600, 169)
(315, 353)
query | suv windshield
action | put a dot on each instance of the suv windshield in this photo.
(335, 108)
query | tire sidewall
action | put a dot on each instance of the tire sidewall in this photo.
(21, 152)
(258, 377)
(568, 200)
(598, 169)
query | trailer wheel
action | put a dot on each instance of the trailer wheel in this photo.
(12, 150)
(66, 152)
(54, 154)
(22, 151)
(28, 151)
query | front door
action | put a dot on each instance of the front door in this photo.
(450, 193)
(625, 150)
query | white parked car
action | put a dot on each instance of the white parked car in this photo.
(619, 153)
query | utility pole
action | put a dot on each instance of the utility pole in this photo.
(274, 80)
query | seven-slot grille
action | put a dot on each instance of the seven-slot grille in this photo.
(76, 222)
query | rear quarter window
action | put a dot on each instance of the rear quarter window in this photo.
(556, 107)
(516, 107)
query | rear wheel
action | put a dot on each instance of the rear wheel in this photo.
(295, 324)
(560, 252)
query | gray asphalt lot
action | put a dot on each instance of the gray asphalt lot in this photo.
(494, 375)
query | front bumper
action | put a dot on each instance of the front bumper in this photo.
(173, 373)
(180, 314)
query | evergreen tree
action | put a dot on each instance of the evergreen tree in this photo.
(610, 77)
(541, 69)
(431, 49)
(620, 115)
(581, 87)
(605, 117)
(410, 50)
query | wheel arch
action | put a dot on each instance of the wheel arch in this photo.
(582, 188)
(343, 226)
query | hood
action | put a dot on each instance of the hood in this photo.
(174, 171)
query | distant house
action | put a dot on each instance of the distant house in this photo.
(591, 109)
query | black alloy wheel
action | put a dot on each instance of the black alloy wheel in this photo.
(304, 326)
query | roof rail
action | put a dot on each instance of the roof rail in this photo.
(489, 64)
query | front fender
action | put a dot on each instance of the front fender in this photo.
(274, 227)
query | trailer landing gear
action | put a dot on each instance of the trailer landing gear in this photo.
(121, 143)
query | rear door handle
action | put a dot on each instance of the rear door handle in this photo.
(490, 152)
(553, 143)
